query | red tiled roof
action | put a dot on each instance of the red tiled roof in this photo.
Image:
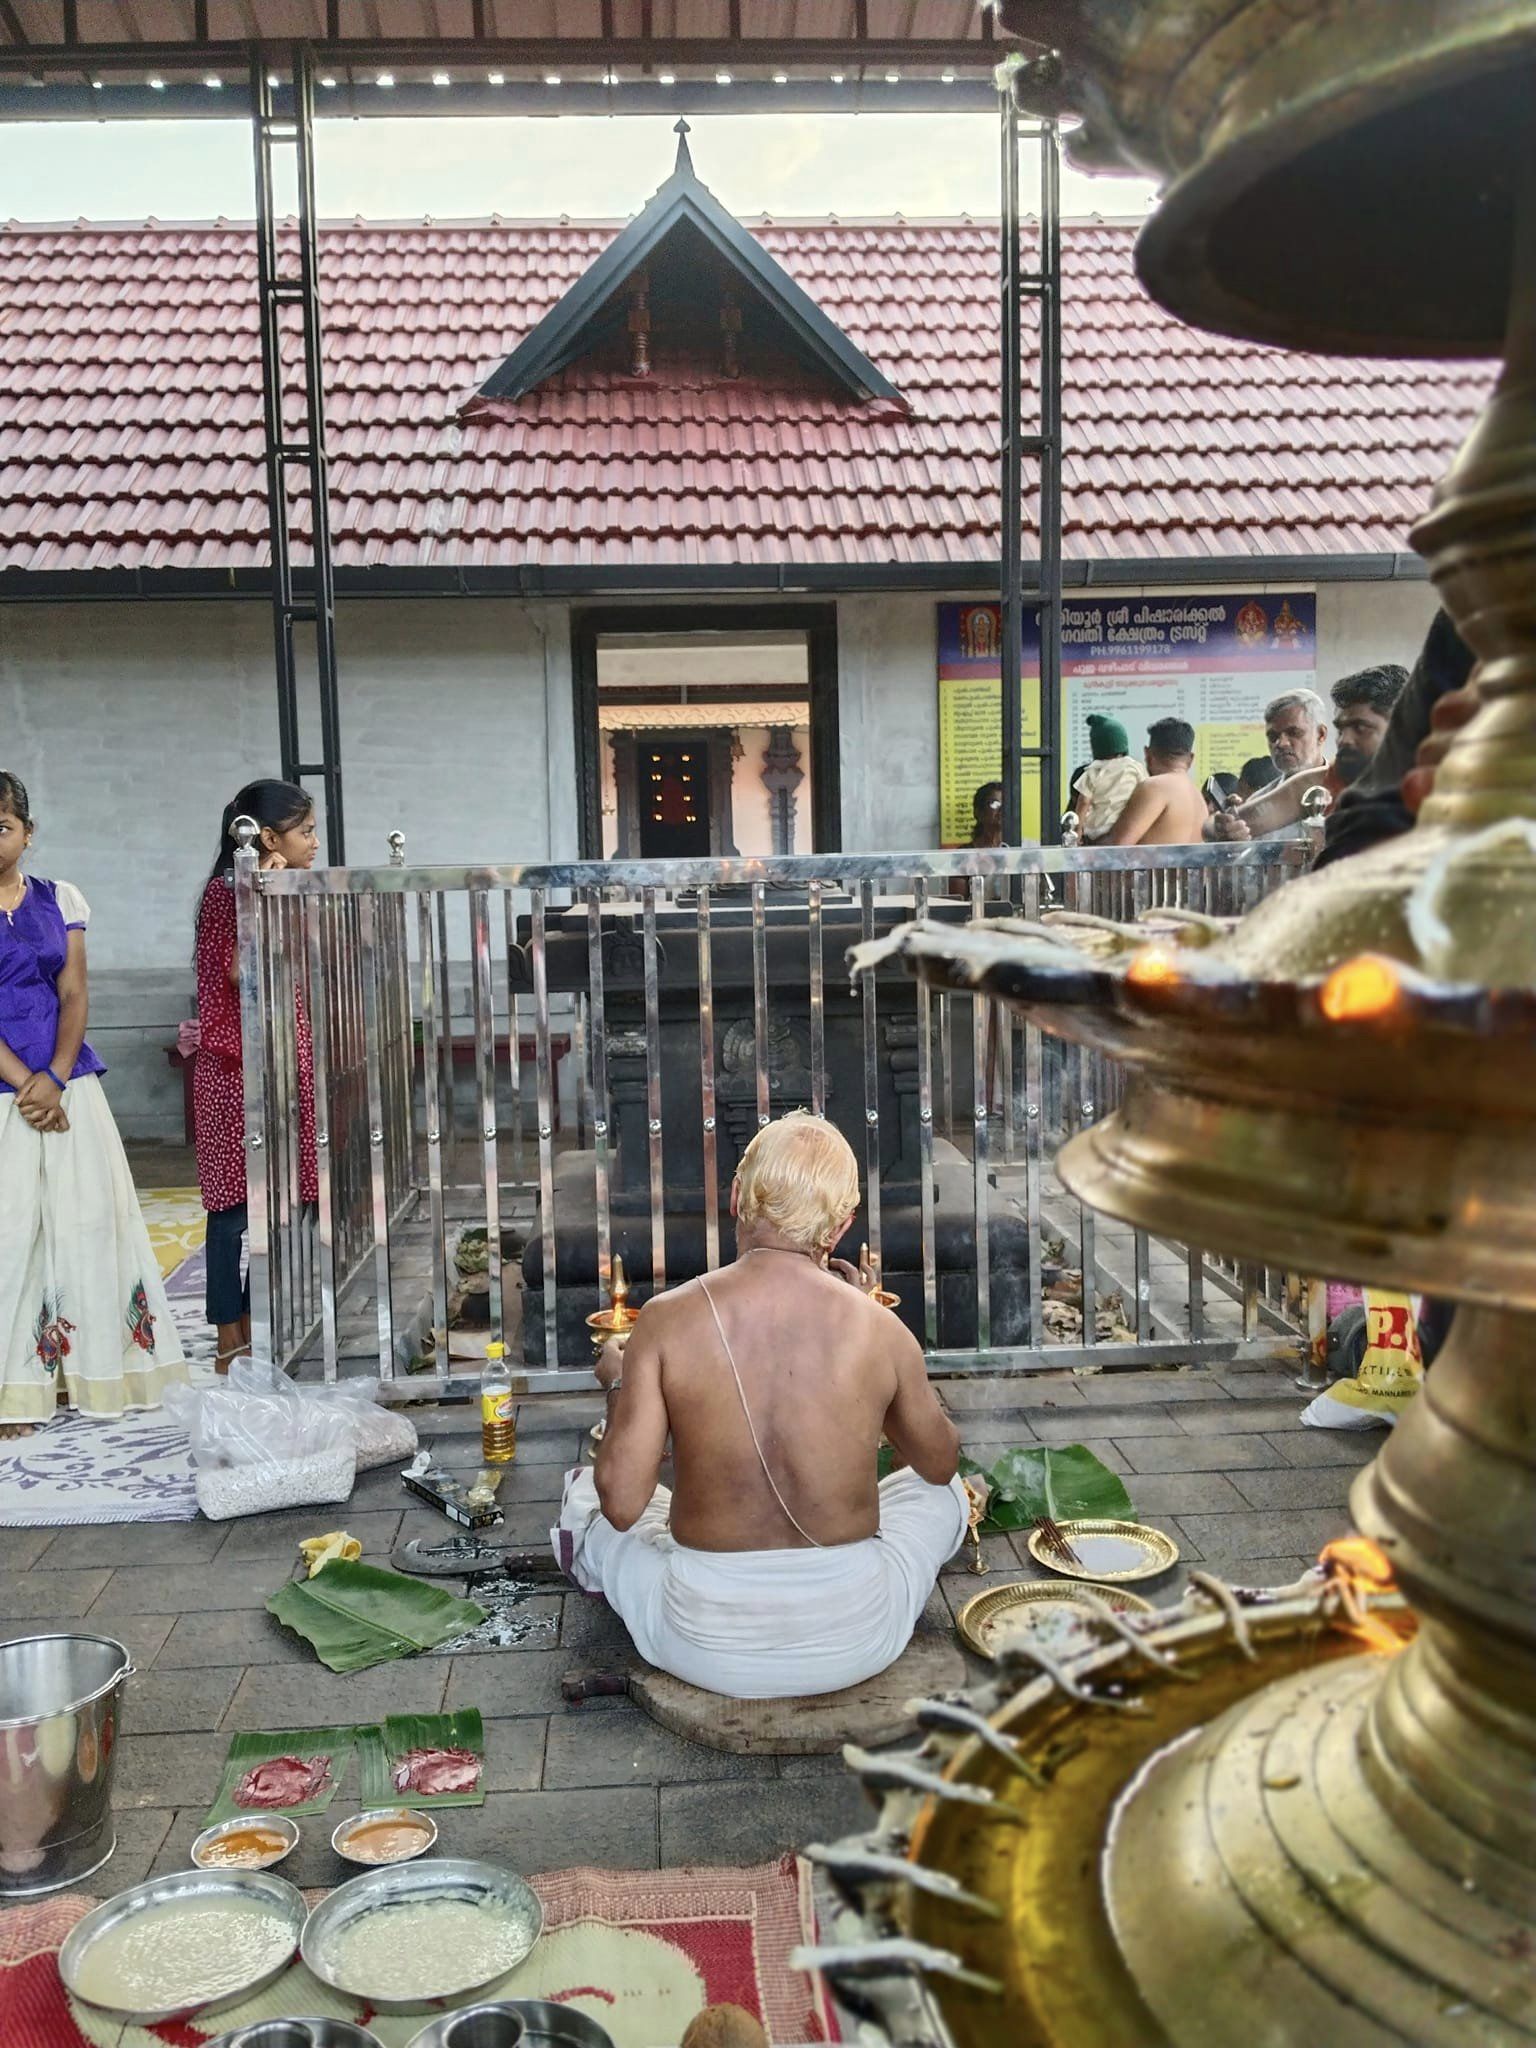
(130, 388)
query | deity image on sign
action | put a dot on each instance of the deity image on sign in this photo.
(1252, 624)
(980, 633)
(1288, 628)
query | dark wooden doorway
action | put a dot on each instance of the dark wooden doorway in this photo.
(677, 622)
(674, 800)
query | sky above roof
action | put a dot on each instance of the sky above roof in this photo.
(785, 164)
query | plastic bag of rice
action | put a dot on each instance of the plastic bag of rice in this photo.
(224, 1491)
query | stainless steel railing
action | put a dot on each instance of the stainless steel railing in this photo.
(622, 1028)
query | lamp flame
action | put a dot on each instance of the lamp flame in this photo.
(1356, 1569)
(1152, 967)
(1360, 989)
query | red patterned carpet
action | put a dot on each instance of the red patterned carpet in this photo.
(641, 1951)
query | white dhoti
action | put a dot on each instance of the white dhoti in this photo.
(765, 1624)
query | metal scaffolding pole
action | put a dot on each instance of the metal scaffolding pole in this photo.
(1012, 609)
(1050, 481)
(296, 466)
(1044, 285)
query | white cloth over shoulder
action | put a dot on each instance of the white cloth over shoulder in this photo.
(73, 907)
(1105, 788)
(765, 1624)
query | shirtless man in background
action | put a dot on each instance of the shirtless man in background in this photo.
(1167, 810)
(777, 1565)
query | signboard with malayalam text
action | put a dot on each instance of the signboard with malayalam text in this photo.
(1214, 660)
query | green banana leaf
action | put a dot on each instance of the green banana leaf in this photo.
(1064, 1481)
(355, 1615)
(381, 1750)
(248, 1750)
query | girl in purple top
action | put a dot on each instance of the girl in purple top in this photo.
(83, 1315)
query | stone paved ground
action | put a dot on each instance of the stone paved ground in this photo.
(1218, 1460)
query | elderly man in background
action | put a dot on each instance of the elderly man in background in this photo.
(1297, 737)
(777, 1565)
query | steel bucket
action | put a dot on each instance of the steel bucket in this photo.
(60, 1714)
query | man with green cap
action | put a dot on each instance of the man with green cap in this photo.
(1110, 780)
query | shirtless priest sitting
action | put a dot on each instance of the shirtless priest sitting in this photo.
(777, 1566)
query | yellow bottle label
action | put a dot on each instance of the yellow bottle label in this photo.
(496, 1406)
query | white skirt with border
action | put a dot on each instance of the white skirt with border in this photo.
(82, 1306)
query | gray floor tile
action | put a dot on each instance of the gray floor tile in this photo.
(181, 1702)
(526, 1482)
(1131, 1389)
(592, 1632)
(277, 1537)
(561, 1447)
(248, 1635)
(1223, 1539)
(1199, 1454)
(56, 1596)
(813, 1766)
(1258, 1386)
(140, 1834)
(626, 1747)
(613, 1827)
(379, 1492)
(1019, 1390)
(718, 1824)
(1228, 1418)
(21, 1548)
(140, 1634)
(514, 1755)
(291, 1696)
(142, 1543)
(148, 1589)
(167, 1770)
(525, 1683)
(1329, 1446)
(1248, 1571)
(1317, 1486)
(544, 1414)
(1189, 1493)
(1103, 1421)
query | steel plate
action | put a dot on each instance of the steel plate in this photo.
(395, 1886)
(162, 1891)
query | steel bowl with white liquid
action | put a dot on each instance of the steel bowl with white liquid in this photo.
(161, 1896)
(395, 1894)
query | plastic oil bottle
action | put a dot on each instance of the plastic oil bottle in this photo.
(498, 1425)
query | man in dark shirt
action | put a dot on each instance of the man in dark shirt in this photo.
(1374, 808)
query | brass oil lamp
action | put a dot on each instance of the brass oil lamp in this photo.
(618, 1318)
(1305, 1819)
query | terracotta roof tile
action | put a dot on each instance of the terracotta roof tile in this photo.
(130, 396)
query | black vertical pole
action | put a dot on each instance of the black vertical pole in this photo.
(1012, 483)
(319, 478)
(272, 421)
(1050, 482)
(274, 292)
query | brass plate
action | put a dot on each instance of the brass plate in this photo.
(1092, 1537)
(980, 1618)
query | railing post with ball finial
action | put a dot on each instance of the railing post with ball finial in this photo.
(253, 1050)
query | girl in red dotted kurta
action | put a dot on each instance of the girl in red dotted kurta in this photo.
(285, 818)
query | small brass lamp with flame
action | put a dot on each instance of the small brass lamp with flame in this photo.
(618, 1318)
